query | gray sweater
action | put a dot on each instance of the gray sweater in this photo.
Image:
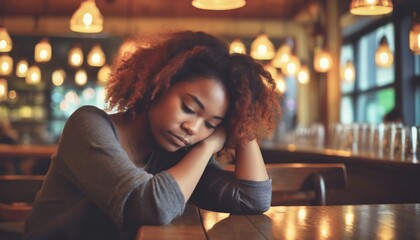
(94, 191)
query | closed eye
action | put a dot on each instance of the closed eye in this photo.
(209, 125)
(186, 108)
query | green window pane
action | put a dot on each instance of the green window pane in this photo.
(373, 106)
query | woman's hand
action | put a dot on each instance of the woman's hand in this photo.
(216, 140)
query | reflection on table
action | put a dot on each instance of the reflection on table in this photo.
(391, 221)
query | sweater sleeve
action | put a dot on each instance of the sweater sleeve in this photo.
(93, 160)
(220, 190)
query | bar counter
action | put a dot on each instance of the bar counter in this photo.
(370, 180)
(385, 221)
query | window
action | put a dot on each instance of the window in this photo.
(372, 94)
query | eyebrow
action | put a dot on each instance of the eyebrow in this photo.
(196, 100)
(200, 104)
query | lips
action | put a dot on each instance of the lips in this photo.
(180, 141)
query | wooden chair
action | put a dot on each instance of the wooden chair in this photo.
(304, 183)
(17, 193)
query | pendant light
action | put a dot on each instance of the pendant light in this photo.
(58, 77)
(3, 89)
(218, 4)
(322, 61)
(262, 48)
(280, 83)
(371, 7)
(291, 67)
(6, 43)
(103, 73)
(87, 19)
(96, 57)
(6, 65)
(12, 95)
(75, 58)
(282, 56)
(237, 46)
(384, 57)
(22, 68)
(34, 75)
(415, 34)
(303, 75)
(81, 77)
(348, 72)
(43, 51)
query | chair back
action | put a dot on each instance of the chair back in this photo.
(305, 183)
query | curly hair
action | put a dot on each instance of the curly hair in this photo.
(137, 80)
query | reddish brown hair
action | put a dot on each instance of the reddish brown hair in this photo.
(172, 57)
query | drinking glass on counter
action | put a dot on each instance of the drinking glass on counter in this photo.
(411, 143)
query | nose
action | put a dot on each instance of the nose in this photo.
(191, 126)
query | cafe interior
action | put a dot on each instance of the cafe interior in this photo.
(343, 158)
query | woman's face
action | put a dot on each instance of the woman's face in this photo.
(188, 112)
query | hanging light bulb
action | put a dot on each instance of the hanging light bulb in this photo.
(282, 56)
(303, 75)
(384, 57)
(371, 7)
(280, 83)
(34, 75)
(87, 19)
(58, 77)
(3, 89)
(322, 61)
(262, 48)
(291, 67)
(75, 56)
(43, 51)
(237, 46)
(348, 72)
(103, 73)
(80, 77)
(6, 65)
(12, 95)
(96, 57)
(22, 68)
(415, 34)
(218, 4)
(6, 43)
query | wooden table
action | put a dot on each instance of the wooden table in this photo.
(387, 221)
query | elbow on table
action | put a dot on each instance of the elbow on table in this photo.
(259, 209)
(163, 218)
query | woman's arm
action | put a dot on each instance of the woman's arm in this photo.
(249, 163)
(189, 170)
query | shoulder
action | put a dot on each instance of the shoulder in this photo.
(89, 118)
(89, 111)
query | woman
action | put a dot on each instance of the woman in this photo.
(179, 102)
